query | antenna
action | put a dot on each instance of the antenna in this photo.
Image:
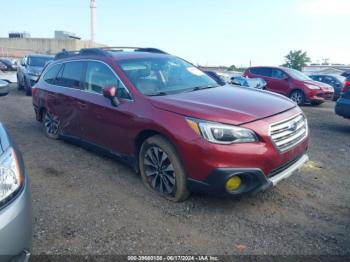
(93, 20)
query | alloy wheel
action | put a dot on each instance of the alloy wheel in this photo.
(159, 171)
(51, 124)
(297, 97)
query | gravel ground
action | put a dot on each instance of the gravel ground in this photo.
(88, 204)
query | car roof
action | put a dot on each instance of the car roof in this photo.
(108, 53)
(272, 67)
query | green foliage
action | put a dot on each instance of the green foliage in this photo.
(238, 69)
(232, 68)
(296, 59)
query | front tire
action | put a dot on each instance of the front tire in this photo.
(27, 88)
(51, 125)
(298, 97)
(19, 85)
(161, 169)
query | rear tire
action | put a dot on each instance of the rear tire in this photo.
(298, 97)
(161, 169)
(317, 103)
(51, 125)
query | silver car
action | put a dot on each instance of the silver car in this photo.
(29, 70)
(4, 88)
(15, 203)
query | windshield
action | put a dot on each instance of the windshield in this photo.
(340, 78)
(297, 74)
(38, 61)
(160, 76)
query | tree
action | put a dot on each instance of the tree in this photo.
(232, 68)
(296, 59)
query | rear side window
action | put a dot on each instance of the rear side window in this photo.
(278, 74)
(98, 76)
(71, 75)
(262, 71)
(51, 75)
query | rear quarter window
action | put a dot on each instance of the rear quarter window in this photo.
(72, 75)
(51, 74)
(261, 71)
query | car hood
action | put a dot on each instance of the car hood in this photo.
(35, 69)
(226, 104)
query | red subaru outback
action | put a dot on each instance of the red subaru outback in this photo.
(173, 123)
(292, 83)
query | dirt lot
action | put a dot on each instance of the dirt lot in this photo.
(87, 204)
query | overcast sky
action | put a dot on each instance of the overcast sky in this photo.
(206, 32)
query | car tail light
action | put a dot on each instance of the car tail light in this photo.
(33, 90)
(346, 86)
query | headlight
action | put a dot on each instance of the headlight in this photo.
(220, 133)
(313, 87)
(10, 177)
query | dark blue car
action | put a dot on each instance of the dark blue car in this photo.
(336, 81)
(342, 108)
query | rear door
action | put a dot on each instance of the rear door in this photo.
(279, 82)
(103, 124)
(68, 96)
(266, 74)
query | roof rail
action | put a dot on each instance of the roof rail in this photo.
(64, 54)
(135, 49)
(105, 51)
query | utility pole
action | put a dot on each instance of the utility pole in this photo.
(93, 20)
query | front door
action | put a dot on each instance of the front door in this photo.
(103, 124)
(279, 82)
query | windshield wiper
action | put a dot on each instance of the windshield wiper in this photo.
(158, 94)
(201, 87)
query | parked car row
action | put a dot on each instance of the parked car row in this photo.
(8, 65)
(292, 83)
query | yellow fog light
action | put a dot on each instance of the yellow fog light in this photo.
(233, 183)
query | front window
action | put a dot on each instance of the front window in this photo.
(38, 61)
(166, 75)
(98, 76)
(297, 74)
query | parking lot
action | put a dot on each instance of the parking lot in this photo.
(84, 203)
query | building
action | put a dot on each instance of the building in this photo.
(66, 35)
(19, 35)
(17, 47)
(327, 69)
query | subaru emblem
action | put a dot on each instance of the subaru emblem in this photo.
(293, 126)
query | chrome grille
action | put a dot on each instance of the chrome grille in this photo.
(288, 133)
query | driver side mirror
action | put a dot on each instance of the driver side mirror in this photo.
(110, 92)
